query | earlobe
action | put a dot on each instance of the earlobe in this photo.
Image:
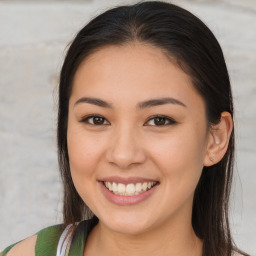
(218, 141)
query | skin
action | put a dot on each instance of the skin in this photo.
(130, 143)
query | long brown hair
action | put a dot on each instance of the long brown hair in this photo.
(185, 38)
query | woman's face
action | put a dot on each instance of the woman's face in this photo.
(137, 138)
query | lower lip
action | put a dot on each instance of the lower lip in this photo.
(126, 200)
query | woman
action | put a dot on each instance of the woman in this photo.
(145, 139)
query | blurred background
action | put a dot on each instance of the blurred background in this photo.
(33, 40)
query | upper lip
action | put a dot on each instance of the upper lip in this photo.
(127, 180)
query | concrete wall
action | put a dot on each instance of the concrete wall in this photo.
(33, 36)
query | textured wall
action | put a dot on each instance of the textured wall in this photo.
(33, 36)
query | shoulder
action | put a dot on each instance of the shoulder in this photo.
(25, 247)
(43, 243)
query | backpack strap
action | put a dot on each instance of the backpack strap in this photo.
(47, 240)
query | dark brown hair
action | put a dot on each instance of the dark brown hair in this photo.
(185, 38)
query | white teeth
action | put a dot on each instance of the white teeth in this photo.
(138, 187)
(114, 187)
(121, 189)
(145, 186)
(107, 184)
(129, 189)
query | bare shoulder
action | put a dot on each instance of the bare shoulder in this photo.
(24, 248)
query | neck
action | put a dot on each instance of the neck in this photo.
(168, 240)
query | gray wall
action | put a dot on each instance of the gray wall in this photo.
(33, 36)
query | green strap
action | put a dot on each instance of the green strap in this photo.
(47, 240)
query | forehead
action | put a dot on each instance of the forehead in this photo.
(133, 71)
(128, 57)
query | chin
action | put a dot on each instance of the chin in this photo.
(128, 225)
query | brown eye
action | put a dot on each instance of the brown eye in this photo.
(98, 120)
(94, 120)
(161, 121)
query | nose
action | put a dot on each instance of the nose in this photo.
(125, 149)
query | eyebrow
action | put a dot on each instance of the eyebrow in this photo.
(140, 105)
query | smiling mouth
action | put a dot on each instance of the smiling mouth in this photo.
(129, 189)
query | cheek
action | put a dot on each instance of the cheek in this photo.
(179, 148)
(180, 162)
(84, 152)
(180, 156)
(84, 155)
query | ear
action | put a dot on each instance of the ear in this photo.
(218, 139)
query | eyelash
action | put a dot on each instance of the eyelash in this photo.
(170, 120)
